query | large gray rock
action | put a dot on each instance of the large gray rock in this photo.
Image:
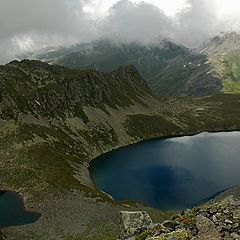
(132, 222)
(206, 229)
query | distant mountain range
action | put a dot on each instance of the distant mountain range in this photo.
(168, 68)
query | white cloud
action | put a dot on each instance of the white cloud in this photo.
(31, 24)
(141, 22)
(101, 7)
(197, 22)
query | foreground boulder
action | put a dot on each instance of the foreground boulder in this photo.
(206, 229)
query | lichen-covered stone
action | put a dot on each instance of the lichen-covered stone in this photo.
(132, 222)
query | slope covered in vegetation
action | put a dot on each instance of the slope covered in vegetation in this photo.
(54, 121)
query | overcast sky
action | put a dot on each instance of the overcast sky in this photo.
(27, 25)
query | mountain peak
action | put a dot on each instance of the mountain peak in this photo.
(128, 68)
(222, 44)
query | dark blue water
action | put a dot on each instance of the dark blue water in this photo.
(12, 210)
(175, 173)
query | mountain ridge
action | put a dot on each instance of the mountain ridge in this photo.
(84, 87)
(168, 68)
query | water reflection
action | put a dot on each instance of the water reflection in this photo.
(173, 173)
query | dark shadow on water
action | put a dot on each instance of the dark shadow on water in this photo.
(212, 197)
(13, 212)
(171, 174)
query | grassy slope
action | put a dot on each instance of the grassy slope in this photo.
(52, 124)
(44, 154)
(232, 73)
(39, 166)
(227, 67)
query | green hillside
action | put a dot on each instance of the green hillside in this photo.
(232, 72)
(54, 121)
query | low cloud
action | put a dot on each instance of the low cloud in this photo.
(196, 23)
(136, 22)
(28, 25)
(47, 17)
(32, 24)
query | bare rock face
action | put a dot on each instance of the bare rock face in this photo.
(132, 222)
(206, 229)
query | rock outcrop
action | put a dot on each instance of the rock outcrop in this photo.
(206, 229)
(216, 220)
(133, 222)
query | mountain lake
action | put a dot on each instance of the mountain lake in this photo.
(171, 174)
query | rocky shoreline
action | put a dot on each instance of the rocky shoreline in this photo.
(215, 220)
